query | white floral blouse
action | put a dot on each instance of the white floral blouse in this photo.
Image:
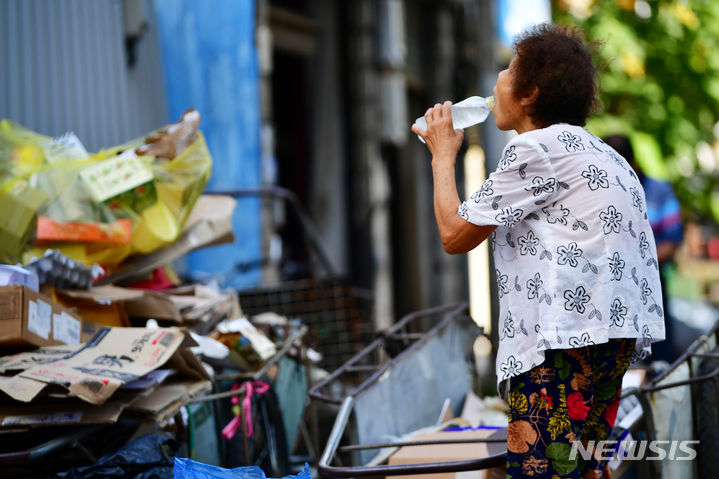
(575, 258)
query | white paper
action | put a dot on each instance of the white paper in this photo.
(38, 320)
(65, 328)
(260, 343)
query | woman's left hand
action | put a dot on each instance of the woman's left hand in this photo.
(441, 138)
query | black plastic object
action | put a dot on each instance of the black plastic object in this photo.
(148, 457)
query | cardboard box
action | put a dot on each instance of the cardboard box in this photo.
(452, 452)
(30, 319)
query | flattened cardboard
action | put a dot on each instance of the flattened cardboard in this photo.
(113, 357)
(49, 414)
(26, 360)
(107, 293)
(153, 305)
(167, 399)
(21, 389)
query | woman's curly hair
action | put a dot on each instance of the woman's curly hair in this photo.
(559, 62)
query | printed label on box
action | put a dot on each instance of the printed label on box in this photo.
(37, 322)
(65, 328)
(44, 318)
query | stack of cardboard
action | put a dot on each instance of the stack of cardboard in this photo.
(93, 382)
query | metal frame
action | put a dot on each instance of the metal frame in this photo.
(651, 386)
(347, 404)
(310, 232)
(295, 338)
(397, 331)
(40, 451)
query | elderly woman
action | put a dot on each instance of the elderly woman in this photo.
(575, 259)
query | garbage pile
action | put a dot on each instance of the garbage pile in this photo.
(97, 329)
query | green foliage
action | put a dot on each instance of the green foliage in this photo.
(659, 82)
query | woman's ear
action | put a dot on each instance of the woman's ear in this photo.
(530, 97)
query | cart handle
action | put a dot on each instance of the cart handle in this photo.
(338, 428)
(309, 229)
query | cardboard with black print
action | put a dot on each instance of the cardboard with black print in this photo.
(115, 356)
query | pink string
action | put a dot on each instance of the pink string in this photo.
(251, 388)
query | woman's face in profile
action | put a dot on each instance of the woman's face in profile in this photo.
(507, 111)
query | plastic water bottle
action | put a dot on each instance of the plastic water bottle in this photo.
(471, 111)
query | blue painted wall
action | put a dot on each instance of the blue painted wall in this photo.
(210, 63)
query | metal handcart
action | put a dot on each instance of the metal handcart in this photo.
(692, 381)
(410, 363)
(697, 370)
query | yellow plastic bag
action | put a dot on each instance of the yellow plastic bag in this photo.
(158, 203)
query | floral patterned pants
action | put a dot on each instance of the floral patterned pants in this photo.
(573, 395)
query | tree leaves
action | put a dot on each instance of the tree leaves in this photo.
(652, 68)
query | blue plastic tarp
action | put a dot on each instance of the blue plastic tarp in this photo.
(189, 469)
